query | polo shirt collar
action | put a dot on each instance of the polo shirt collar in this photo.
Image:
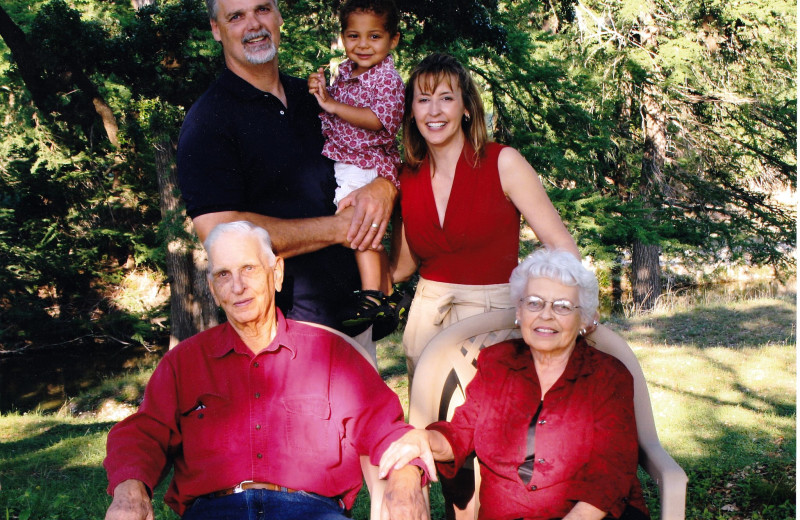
(247, 92)
(581, 362)
(231, 341)
(370, 77)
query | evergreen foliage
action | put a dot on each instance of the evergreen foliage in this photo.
(565, 83)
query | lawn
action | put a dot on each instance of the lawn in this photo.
(721, 375)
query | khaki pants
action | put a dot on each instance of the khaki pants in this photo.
(437, 305)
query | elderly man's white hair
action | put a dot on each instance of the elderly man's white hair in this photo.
(241, 227)
(562, 267)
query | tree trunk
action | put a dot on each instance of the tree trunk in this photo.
(41, 91)
(26, 61)
(645, 274)
(645, 265)
(616, 286)
(191, 307)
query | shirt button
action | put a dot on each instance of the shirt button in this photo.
(542, 422)
(255, 364)
(282, 112)
(258, 395)
(258, 426)
(541, 461)
(260, 456)
(533, 488)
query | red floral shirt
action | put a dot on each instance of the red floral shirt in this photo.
(381, 90)
(586, 444)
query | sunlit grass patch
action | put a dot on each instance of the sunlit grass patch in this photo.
(724, 409)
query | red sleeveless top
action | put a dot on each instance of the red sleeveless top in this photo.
(479, 243)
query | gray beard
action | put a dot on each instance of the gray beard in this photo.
(261, 57)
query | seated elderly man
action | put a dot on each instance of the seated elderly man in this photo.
(261, 417)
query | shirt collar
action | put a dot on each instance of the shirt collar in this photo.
(230, 341)
(369, 77)
(247, 92)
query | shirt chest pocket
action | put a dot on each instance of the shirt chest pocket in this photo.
(208, 426)
(310, 430)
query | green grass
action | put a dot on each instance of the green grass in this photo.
(722, 379)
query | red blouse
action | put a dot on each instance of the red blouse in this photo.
(479, 243)
(586, 445)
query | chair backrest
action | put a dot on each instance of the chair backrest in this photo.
(375, 485)
(454, 351)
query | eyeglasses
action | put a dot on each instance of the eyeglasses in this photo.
(536, 304)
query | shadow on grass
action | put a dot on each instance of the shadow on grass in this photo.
(51, 473)
(717, 326)
(54, 472)
(747, 397)
(738, 476)
(751, 402)
(391, 359)
(43, 438)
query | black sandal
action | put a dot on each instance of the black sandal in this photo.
(399, 302)
(371, 306)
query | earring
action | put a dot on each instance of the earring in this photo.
(516, 322)
(466, 117)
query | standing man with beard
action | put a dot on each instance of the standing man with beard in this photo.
(250, 149)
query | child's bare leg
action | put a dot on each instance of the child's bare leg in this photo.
(373, 266)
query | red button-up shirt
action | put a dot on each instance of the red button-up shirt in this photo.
(586, 447)
(297, 414)
(381, 90)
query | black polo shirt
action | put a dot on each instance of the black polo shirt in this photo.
(240, 149)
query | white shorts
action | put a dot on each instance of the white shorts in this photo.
(350, 177)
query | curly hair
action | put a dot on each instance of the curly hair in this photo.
(383, 8)
(562, 267)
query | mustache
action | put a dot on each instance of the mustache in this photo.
(255, 35)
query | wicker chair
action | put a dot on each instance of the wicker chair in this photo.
(449, 361)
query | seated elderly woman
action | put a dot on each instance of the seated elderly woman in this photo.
(550, 418)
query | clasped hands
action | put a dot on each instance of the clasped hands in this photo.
(365, 213)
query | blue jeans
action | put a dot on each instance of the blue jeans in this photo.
(262, 504)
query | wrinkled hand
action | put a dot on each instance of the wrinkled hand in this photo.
(373, 204)
(403, 498)
(413, 444)
(131, 502)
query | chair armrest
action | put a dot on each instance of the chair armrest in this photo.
(375, 486)
(670, 478)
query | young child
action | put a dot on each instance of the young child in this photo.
(363, 110)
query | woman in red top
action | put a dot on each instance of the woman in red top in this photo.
(461, 199)
(550, 418)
